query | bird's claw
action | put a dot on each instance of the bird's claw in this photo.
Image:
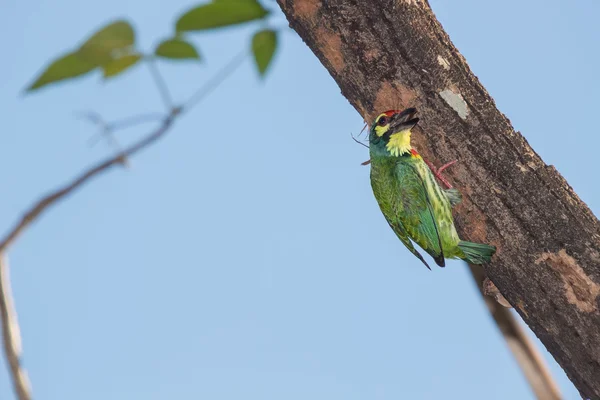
(438, 172)
(443, 167)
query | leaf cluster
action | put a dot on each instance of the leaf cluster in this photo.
(112, 49)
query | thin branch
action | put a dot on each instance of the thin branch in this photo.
(42, 205)
(214, 83)
(92, 117)
(8, 315)
(524, 350)
(39, 207)
(108, 128)
(11, 334)
(134, 120)
(358, 141)
(160, 84)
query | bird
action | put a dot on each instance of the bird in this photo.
(413, 203)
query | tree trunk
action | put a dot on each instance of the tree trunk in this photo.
(387, 54)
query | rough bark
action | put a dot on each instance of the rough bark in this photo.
(388, 54)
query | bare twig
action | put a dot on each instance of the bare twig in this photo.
(11, 335)
(92, 117)
(211, 85)
(134, 120)
(42, 205)
(160, 83)
(525, 352)
(107, 129)
(358, 141)
(7, 315)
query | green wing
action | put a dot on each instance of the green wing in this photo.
(417, 217)
(403, 236)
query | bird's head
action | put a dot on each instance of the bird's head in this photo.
(390, 131)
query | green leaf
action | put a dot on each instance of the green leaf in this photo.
(120, 65)
(264, 44)
(68, 66)
(109, 42)
(178, 49)
(220, 13)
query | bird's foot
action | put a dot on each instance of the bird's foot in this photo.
(438, 172)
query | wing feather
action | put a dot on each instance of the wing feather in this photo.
(419, 218)
(401, 233)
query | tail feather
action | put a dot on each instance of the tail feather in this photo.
(477, 253)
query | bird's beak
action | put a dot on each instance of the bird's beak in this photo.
(401, 117)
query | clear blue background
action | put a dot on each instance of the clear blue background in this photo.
(244, 257)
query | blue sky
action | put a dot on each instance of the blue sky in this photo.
(253, 262)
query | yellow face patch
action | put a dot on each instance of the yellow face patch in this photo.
(381, 128)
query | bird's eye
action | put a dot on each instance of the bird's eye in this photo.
(382, 121)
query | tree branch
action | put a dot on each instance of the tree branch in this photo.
(160, 83)
(41, 205)
(45, 202)
(524, 350)
(394, 53)
(11, 334)
(207, 89)
(7, 314)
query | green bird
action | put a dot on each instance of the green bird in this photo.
(414, 205)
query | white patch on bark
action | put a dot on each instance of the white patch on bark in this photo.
(580, 289)
(521, 167)
(443, 62)
(456, 101)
